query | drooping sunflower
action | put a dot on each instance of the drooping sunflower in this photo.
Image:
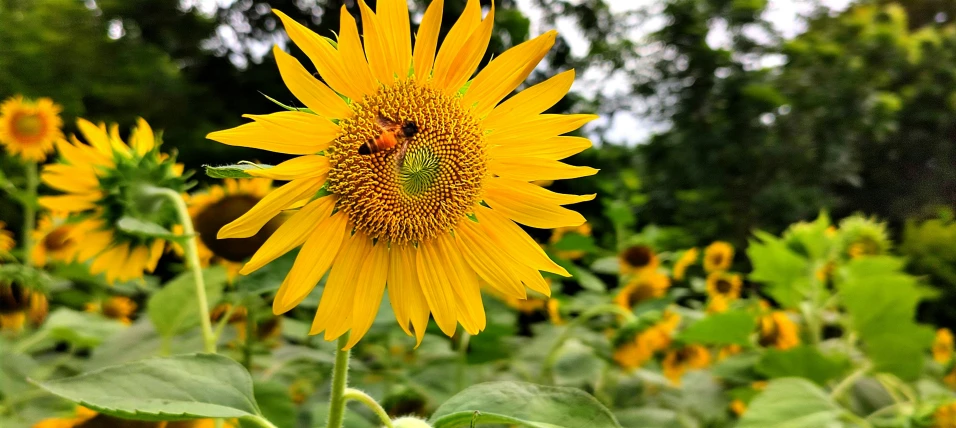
(680, 361)
(220, 205)
(722, 285)
(638, 259)
(29, 128)
(6, 240)
(436, 212)
(104, 183)
(559, 233)
(120, 308)
(718, 256)
(686, 260)
(19, 304)
(644, 287)
(776, 329)
(55, 239)
(943, 346)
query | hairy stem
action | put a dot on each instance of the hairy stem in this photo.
(340, 374)
(368, 401)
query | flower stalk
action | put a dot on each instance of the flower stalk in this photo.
(29, 211)
(608, 309)
(340, 374)
(368, 401)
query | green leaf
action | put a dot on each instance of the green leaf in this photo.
(785, 273)
(233, 171)
(577, 365)
(173, 309)
(575, 242)
(523, 404)
(802, 361)
(587, 279)
(791, 403)
(728, 328)
(620, 214)
(144, 228)
(81, 329)
(276, 405)
(607, 265)
(164, 389)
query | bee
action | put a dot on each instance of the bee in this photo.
(392, 134)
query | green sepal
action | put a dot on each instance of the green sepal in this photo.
(290, 108)
(146, 229)
(233, 171)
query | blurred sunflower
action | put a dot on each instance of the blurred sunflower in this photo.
(738, 407)
(463, 163)
(680, 361)
(945, 416)
(18, 304)
(6, 240)
(630, 354)
(637, 259)
(943, 346)
(554, 312)
(55, 240)
(561, 232)
(861, 236)
(686, 260)
(220, 205)
(728, 351)
(119, 308)
(718, 256)
(104, 183)
(722, 285)
(87, 418)
(29, 128)
(776, 329)
(647, 286)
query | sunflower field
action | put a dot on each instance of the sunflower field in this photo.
(430, 214)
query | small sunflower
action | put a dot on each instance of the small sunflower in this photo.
(686, 260)
(19, 304)
(220, 205)
(718, 256)
(644, 287)
(559, 233)
(633, 353)
(945, 416)
(680, 361)
(103, 182)
(776, 329)
(6, 240)
(120, 308)
(85, 417)
(55, 240)
(29, 128)
(725, 286)
(638, 259)
(436, 212)
(943, 346)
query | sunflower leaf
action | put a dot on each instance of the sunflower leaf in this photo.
(173, 309)
(523, 404)
(233, 171)
(728, 328)
(164, 389)
(791, 402)
(135, 226)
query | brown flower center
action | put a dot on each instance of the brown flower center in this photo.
(27, 127)
(638, 256)
(223, 212)
(58, 239)
(724, 286)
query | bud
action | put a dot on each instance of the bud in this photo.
(410, 422)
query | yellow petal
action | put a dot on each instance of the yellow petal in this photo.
(292, 233)
(554, 148)
(308, 166)
(531, 205)
(311, 264)
(352, 54)
(394, 25)
(380, 60)
(426, 41)
(405, 293)
(464, 283)
(335, 309)
(436, 286)
(530, 169)
(155, 252)
(143, 139)
(533, 280)
(455, 41)
(369, 289)
(531, 102)
(540, 127)
(95, 136)
(453, 75)
(270, 206)
(487, 260)
(71, 203)
(314, 94)
(79, 154)
(290, 132)
(512, 240)
(503, 74)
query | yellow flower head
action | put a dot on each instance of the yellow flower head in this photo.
(943, 346)
(718, 256)
(6, 240)
(554, 311)
(557, 234)
(19, 304)
(633, 353)
(423, 172)
(643, 287)
(638, 259)
(679, 361)
(686, 260)
(945, 416)
(119, 308)
(55, 239)
(28, 129)
(103, 182)
(724, 285)
(776, 329)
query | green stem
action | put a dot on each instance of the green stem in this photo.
(848, 382)
(462, 360)
(29, 212)
(811, 317)
(250, 341)
(340, 374)
(552, 355)
(260, 421)
(368, 401)
(192, 259)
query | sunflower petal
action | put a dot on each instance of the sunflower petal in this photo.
(317, 254)
(530, 169)
(426, 41)
(335, 308)
(503, 74)
(455, 40)
(405, 293)
(436, 286)
(308, 166)
(554, 148)
(95, 136)
(463, 66)
(376, 46)
(512, 240)
(527, 207)
(352, 53)
(394, 25)
(270, 206)
(487, 260)
(290, 234)
(537, 128)
(143, 139)
(71, 203)
(464, 283)
(314, 94)
(369, 290)
(530, 102)
(289, 132)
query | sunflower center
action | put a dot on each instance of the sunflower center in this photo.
(724, 286)
(424, 184)
(640, 294)
(28, 126)
(58, 239)
(769, 331)
(638, 256)
(223, 212)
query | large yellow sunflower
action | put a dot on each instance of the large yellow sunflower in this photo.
(55, 240)
(29, 128)
(103, 182)
(435, 213)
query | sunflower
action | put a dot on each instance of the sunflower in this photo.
(220, 205)
(18, 304)
(644, 287)
(945, 416)
(776, 329)
(686, 260)
(943, 346)
(722, 285)
(29, 128)
(56, 240)
(718, 256)
(861, 236)
(6, 240)
(679, 361)
(118, 308)
(728, 351)
(561, 232)
(85, 417)
(633, 353)
(104, 182)
(435, 213)
(638, 259)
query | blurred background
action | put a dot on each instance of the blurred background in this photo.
(718, 117)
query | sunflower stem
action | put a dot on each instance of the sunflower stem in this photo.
(368, 401)
(608, 309)
(29, 212)
(340, 374)
(462, 359)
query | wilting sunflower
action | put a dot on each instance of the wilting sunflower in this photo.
(6, 240)
(104, 183)
(638, 259)
(724, 285)
(776, 329)
(651, 285)
(718, 256)
(436, 211)
(686, 260)
(55, 239)
(679, 361)
(120, 308)
(559, 233)
(220, 205)
(19, 304)
(85, 417)
(29, 128)
(943, 346)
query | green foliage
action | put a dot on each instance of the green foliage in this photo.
(174, 310)
(791, 403)
(785, 273)
(728, 328)
(137, 227)
(803, 361)
(233, 171)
